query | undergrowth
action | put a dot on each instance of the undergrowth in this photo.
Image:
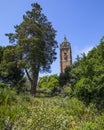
(56, 113)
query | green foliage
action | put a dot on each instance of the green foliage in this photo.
(49, 84)
(87, 76)
(9, 71)
(7, 96)
(27, 113)
(68, 91)
(63, 79)
(1, 53)
(2, 85)
(35, 44)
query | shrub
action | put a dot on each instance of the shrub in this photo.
(2, 85)
(68, 91)
(27, 113)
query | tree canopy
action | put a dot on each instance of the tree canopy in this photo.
(87, 76)
(35, 44)
(49, 84)
(9, 71)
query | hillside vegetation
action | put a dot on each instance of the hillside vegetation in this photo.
(74, 100)
(28, 113)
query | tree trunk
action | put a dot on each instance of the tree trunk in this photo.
(33, 80)
(62, 92)
(33, 88)
(34, 85)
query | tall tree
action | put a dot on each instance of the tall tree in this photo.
(65, 79)
(35, 42)
(1, 57)
(1, 53)
(9, 71)
(89, 84)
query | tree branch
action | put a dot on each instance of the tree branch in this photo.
(28, 75)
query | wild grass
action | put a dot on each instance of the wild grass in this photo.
(56, 113)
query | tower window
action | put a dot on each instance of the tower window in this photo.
(65, 57)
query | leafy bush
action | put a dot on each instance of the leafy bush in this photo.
(67, 91)
(49, 85)
(7, 96)
(2, 85)
(27, 113)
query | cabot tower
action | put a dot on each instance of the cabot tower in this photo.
(65, 55)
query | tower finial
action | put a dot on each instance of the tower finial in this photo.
(65, 40)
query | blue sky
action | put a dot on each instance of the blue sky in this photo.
(81, 21)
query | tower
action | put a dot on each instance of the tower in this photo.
(65, 55)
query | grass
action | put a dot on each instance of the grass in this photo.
(56, 113)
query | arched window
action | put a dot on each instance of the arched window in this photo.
(65, 56)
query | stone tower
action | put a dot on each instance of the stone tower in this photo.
(65, 55)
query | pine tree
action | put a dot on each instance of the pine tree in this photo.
(35, 41)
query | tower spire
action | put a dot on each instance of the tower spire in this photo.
(65, 39)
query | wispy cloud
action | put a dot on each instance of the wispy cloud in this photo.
(86, 50)
(78, 51)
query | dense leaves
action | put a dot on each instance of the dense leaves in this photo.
(49, 84)
(27, 113)
(9, 71)
(33, 51)
(35, 44)
(87, 76)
